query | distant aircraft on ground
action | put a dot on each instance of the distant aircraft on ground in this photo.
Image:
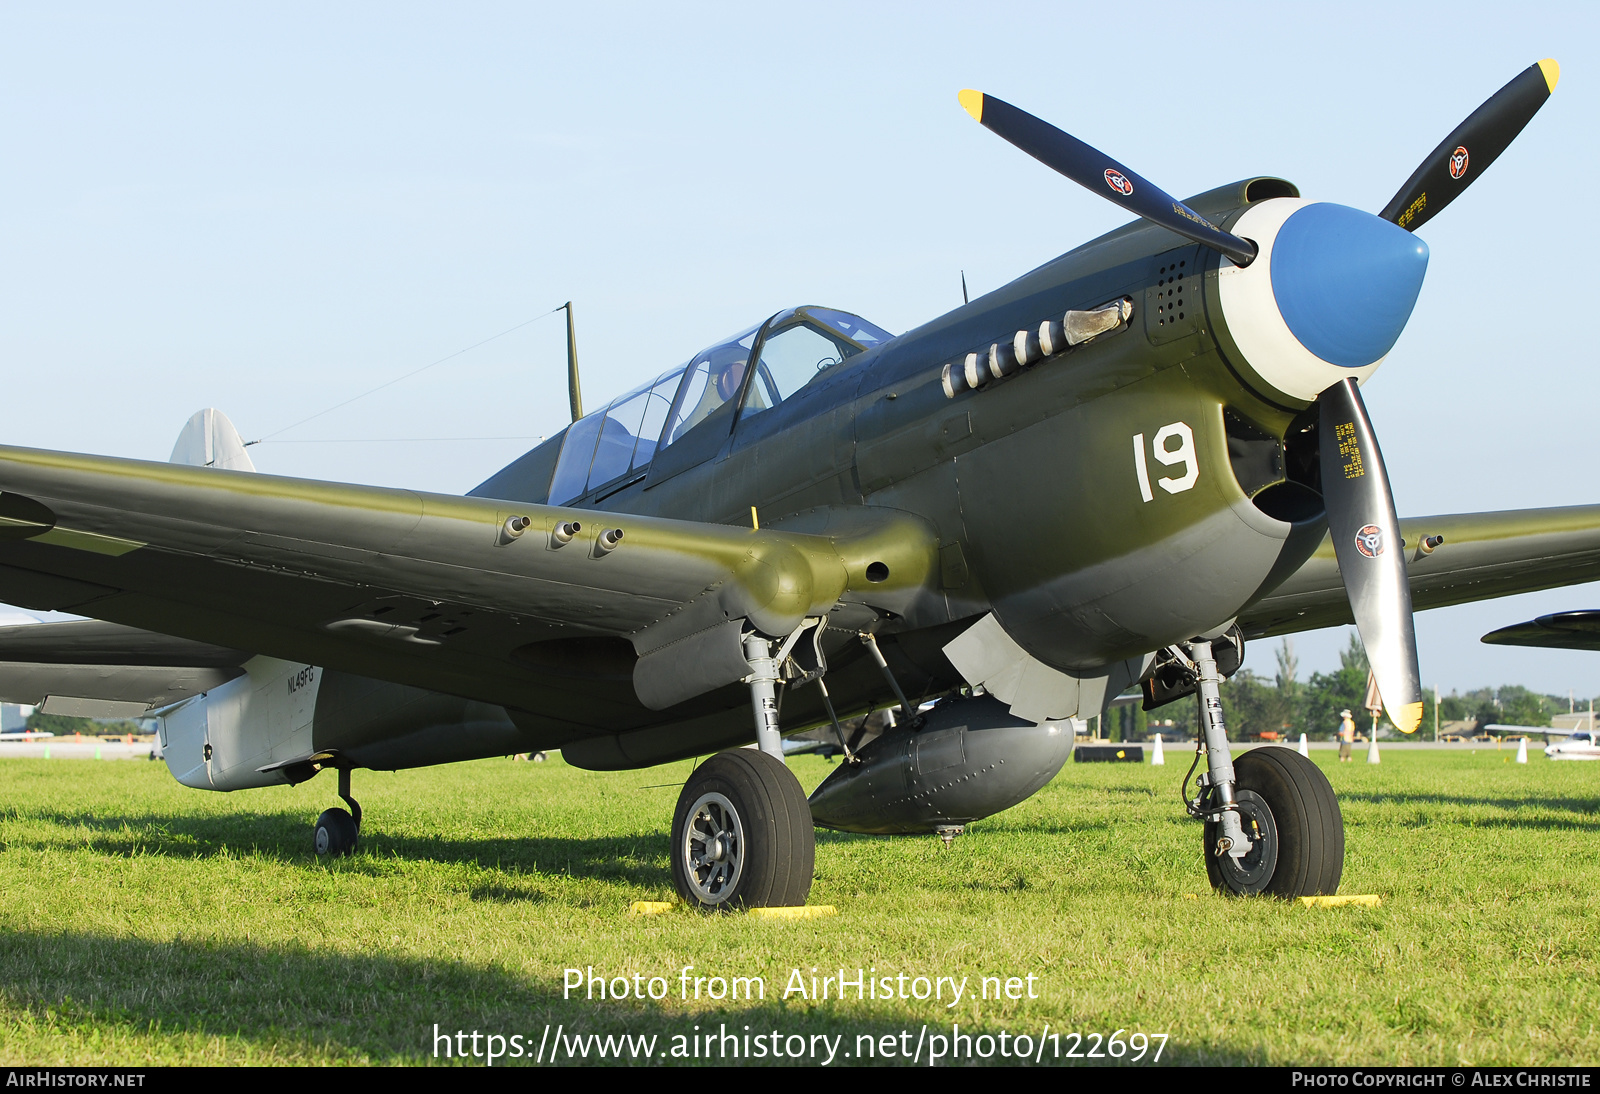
(1575, 630)
(1576, 744)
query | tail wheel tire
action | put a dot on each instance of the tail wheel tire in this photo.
(742, 834)
(336, 833)
(1291, 815)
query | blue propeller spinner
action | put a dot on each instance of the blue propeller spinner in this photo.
(1346, 281)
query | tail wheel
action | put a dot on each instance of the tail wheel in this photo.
(336, 833)
(742, 834)
(1292, 817)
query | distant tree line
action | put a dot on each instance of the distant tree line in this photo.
(1253, 704)
(64, 725)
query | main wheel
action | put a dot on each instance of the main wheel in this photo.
(1292, 817)
(742, 834)
(336, 833)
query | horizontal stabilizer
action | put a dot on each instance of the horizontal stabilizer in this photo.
(91, 642)
(90, 669)
(73, 707)
(51, 687)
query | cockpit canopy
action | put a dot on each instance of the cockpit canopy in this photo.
(791, 349)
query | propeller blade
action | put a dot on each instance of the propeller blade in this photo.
(1366, 542)
(1472, 147)
(1099, 173)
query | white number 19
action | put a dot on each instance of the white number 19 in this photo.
(1183, 454)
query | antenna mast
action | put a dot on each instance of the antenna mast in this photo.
(574, 393)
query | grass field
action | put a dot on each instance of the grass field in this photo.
(146, 923)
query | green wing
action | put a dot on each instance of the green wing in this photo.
(429, 590)
(1483, 555)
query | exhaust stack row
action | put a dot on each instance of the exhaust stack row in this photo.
(1032, 346)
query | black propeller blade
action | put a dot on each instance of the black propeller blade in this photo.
(1366, 541)
(1472, 147)
(1098, 172)
(1355, 485)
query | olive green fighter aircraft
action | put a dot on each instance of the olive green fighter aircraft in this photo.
(1107, 473)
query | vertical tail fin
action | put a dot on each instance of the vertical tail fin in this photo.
(209, 440)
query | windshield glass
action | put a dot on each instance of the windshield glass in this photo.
(801, 346)
(853, 327)
(714, 378)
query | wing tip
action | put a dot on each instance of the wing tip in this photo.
(1552, 72)
(972, 102)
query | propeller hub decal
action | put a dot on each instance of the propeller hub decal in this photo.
(1458, 162)
(1119, 182)
(1369, 540)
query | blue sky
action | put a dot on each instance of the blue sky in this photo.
(269, 210)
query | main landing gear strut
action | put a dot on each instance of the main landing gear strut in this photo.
(742, 833)
(1272, 823)
(337, 831)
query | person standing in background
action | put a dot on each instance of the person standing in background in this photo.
(1347, 735)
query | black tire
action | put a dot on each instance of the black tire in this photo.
(1287, 800)
(335, 834)
(767, 852)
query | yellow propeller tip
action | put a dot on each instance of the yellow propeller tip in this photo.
(1548, 66)
(1407, 718)
(972, 102)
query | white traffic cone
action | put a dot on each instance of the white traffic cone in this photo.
(1303, 750)
(1372, 749)
(1158, 758)
(1522, 751)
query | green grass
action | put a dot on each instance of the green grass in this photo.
(146, 923)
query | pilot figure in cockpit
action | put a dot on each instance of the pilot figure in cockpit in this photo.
(723, 372)
(731, 363)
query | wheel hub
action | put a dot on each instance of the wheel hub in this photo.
(1253, 871)
(713, 848)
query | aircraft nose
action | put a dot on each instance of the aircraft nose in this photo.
(1345, 281)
